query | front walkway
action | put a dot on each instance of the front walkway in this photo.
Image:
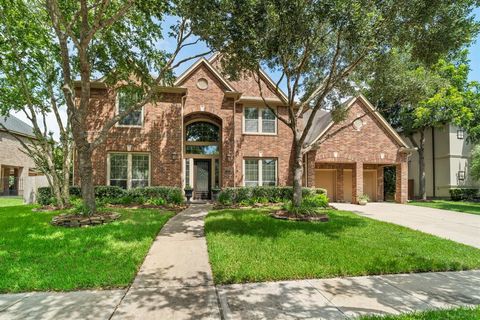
(175, 282)
(453, 225)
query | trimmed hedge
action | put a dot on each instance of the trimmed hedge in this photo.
(114, 194)
(458, 194)
(248, 195)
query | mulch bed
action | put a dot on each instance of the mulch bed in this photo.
(78, 220)
(174, 208)
(285, 215)
(238, 206)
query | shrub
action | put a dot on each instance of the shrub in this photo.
(318, 201)
(45, 196)
(250, 195)
(457, 194)
(168, 194)
(75, 191)
(109, 192)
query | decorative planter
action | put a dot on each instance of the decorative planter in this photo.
(362, 202)
(188, 194)
(215, 193)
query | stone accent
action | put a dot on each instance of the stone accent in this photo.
(75, 220)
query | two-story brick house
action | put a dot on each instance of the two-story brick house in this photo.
(207, 131)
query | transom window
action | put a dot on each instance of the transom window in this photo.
(260, 172)
(126, 99)
(259, 120)
(202, 138)
(129, 170)
(202, 132)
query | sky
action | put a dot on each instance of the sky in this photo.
(169, 44)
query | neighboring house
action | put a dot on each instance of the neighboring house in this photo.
(15, 165)
(447, 156)
(207, 131)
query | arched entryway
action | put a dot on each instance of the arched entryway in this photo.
(202, 154)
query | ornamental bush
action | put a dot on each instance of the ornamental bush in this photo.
(117, 195)
(458, 194)
(252, 195)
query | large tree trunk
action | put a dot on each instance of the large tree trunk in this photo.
(421, 166)
(297, 174)
(86, 169)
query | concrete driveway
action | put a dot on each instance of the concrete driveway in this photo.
(456, 226)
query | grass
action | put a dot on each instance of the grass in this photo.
(10, 201)
(460, 206)
(249, 246)
(464, 313)
(35, 256)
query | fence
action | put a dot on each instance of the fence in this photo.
(11, 186)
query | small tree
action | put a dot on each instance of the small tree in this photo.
(120, 40)
(475, 163)
(414, 97)
(29, 82)
(316, 46)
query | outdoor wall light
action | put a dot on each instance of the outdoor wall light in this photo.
(461, 175)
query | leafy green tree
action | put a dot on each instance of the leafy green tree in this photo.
(475, 163)
(414, 97)
(321, 47)
(116, 40)
(30, 83)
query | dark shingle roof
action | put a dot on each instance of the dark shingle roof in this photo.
(15, 125)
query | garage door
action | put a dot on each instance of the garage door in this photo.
(370, 184)
(326, 179)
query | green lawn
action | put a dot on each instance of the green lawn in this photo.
(249, 246)
(37, 256)
(10, 201)
(452, 314)
(460, 206)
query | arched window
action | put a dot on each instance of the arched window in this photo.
(202, 132)
(202, 138)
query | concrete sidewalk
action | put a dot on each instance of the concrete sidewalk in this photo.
(347, 298)
(456, 226)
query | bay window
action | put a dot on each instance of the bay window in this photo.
(128, 170)
(260, 172)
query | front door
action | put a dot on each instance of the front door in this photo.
(202, 178)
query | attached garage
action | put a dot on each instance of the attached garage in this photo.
(326, 179)
(370, 184)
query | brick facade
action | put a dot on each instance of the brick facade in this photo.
(162, 135)
(370, 147)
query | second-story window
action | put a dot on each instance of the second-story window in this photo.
(125, 100)
(259, 120)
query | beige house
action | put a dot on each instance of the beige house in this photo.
(15, 165)
(447, 158)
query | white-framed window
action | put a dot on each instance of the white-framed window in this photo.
(128, 170)
(260, 172)
(259, 120)
(125, 99)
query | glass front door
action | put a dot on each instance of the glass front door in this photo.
(202, 177)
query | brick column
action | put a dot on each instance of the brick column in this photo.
(380, 184)
(401, 190)
(311, 169)
(339, 195)
(357, 181)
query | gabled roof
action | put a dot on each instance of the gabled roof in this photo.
(263, 74)
(323, 122)
(15, 125)
(195, 66)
